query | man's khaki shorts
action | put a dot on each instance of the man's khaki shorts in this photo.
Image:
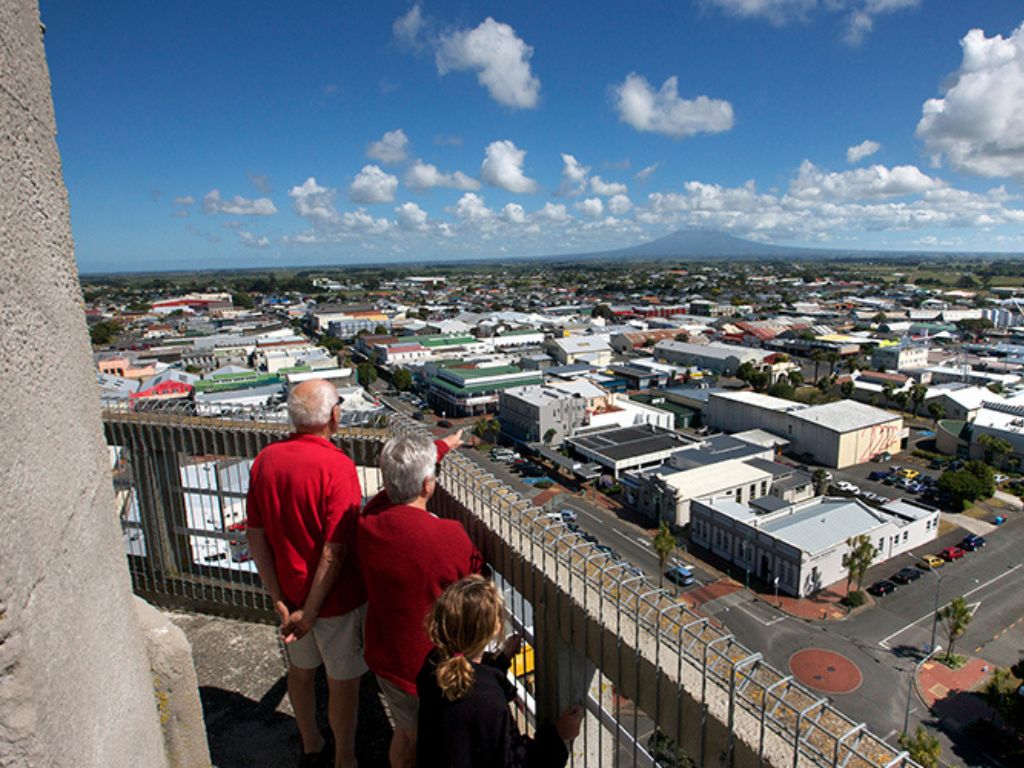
(335, 642)
(404, 707)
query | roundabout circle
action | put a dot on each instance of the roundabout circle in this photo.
(825, 671)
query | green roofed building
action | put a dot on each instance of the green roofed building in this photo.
(463, 389)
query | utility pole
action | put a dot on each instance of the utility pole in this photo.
(910, 686)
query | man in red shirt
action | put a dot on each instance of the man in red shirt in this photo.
(408, 556)
(303, 507)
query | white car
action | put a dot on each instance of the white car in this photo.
(846, 487)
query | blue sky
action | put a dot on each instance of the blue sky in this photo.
(199, 134)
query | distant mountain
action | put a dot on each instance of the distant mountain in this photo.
(703, 244)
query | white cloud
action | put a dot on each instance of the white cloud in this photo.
(184, 200)
(574, 176)
(499, 57)
(503, 167)
(978, 123)
(554, 212)
(471, 207)
(407, 27)
(373, 185)
(424, 176)
(311, 201)
(250, 240)
(861, 20)
(777, 12)
(619, 204)
(513, 213)
(831, 210)
(238, 205)
(664, 112)
(859, 17)
(390, 150)
(858, 152)
(592, 207)
(607, 188)
(260, 181)
(360, 221)
(872, 183)
(645, 173)
(411, 217)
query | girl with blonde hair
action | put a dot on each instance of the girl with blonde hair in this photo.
(464, 716)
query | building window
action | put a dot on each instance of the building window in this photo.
(905, 535)
(881, 544)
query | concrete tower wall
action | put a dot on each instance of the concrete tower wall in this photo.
(75, 682)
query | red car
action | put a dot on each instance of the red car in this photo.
(952, 553)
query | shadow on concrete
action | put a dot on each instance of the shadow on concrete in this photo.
(973, 731)
(244, 733)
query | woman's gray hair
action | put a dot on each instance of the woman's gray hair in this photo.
(405, 462)
(310, 404)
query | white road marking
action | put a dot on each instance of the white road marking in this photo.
(884, 642)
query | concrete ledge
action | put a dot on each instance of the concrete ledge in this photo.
(175, 688)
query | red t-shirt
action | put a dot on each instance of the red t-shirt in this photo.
(407, 556)
(304, 492)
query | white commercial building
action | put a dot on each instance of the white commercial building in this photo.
(802, 545)
(838, 434)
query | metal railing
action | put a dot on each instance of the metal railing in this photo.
(665, 685)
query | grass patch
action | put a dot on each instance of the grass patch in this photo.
(945, 526)
(854, 599)
(953, 661)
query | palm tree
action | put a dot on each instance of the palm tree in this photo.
(917, 395)
(858, 559)
(955, 616)
(664, 543)
(817, 356)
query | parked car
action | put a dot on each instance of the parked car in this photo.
(444, 424)
(680, 574)
(883, 456)
(1000, 479)
(882, 588)
(972, 541)
(908, 473)
(952, 553)
(878, 474)
(568, 515)
(929, 562)
(906, 575)
(846, 487)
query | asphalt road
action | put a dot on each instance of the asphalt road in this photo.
(884, 640)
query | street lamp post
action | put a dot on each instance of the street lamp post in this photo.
(910, 686)
(935, 612)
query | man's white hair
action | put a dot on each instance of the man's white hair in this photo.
(405, 462)
(310, 404)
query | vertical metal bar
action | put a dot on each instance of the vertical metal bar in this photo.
(764, 708)
(835, 753)
(708, 646)
(799, 721)
(730, 738)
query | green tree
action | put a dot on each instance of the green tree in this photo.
(858, 559)
(366, 374)
(1000, 693)
(104, 332)
(796, 378)
(923, 748)
(603, 310)
(846, 388)
(664, 543)
(380, 330)
(243, 300)
(917, 395)
(550, 435)
(996, 448)
(402, 379)
(820, 480)
(817, 356)
(955, 617)
(937, 411)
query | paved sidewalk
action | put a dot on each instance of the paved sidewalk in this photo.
(937, 682)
